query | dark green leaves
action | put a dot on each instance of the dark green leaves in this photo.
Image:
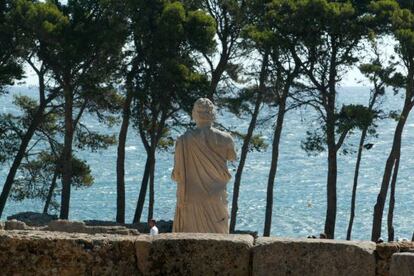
(354, 117)
(10, 47)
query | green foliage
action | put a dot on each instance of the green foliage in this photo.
(165, 35)
(82, 176)
(350, 118)
(9, 136)
(314, 142)
(200, 28)
(241, 103)
(93, 140)
(42, 159)
(399, 18)
(10, 47)
(394, 115)
(80, 42)
(257, 143)
(36, 174)
(35, 177)
(354, 117)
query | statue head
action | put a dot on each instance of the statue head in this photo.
(204, 112)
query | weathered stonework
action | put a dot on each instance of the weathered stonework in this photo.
(15, 225)
(55, 253)
(81, 227)
(195, 254)
(34, 252)
(402, 264)
(274, 256)
(47, 253)
(71, 227)
(384, 252)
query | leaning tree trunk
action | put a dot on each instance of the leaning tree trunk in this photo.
(245, 146)
(331, 178)
(142, 192)
(218, 73)
(389, 165)
(67, 155)
(240, 167)
(51, 190)
(354, 187)
(37, 119)
(273, 167)
(358, 164)
(215, 79)
(120, 161)
(154, 141)
(392, 199)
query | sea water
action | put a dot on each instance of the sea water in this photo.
(300, 187)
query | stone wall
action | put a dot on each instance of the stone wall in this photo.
(55, 253)
(31, 252)
(402, 264)
(385, 251)
(274, 256)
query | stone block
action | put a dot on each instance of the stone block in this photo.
(66, 226)
(402, 264)
(406, 246)
(194, 254)
(274, 256)
(54, 253)
(385, 251)
(81, 227)
(15, 225)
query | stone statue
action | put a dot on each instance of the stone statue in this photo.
(200, 170)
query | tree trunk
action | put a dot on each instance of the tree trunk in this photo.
(67, 155)
(142, 191)
(217, 73)
(156, 134)
(37, 119)
(354, 187)
(396, 147)
(151, 189)
(240, 167)
(51, 190)
(392, 199)
(215, 79)
(332, 175)
(154, 144)
(245, 147)
(358, 163)
(273, 167)
(120, 161)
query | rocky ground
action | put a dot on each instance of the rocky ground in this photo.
(46, 222)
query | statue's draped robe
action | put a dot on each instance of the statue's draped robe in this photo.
(200, 170)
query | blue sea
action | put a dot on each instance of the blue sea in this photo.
(300, 186)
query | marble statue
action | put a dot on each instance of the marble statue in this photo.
(201, 173)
